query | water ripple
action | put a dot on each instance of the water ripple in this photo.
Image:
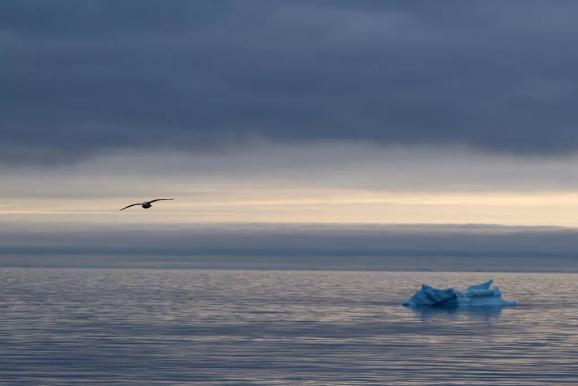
(60, 327)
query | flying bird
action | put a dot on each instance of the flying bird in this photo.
(147, 204)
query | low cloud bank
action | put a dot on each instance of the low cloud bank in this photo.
(295, 246)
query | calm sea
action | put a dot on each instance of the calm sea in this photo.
(148, 327)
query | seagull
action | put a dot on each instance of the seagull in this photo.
(147, 204)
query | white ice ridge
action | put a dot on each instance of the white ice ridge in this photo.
(475, 295)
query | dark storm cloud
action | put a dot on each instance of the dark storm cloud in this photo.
(80, 77)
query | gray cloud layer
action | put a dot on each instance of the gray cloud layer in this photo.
(80, 77)
(297, 246)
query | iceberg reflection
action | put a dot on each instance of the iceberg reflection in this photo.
(484, 313)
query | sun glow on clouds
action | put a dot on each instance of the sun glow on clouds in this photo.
(331, 183)
(303, 205)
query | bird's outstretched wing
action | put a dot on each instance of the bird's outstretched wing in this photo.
(160, 199)
(130, 206)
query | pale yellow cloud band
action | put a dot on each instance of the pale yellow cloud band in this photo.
(313, 205)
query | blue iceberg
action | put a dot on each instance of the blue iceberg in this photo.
(476, 295)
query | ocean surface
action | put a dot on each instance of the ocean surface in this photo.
(179, 327)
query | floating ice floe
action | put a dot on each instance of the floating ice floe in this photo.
(476, 295)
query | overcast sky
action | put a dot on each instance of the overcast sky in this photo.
(300, 112)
